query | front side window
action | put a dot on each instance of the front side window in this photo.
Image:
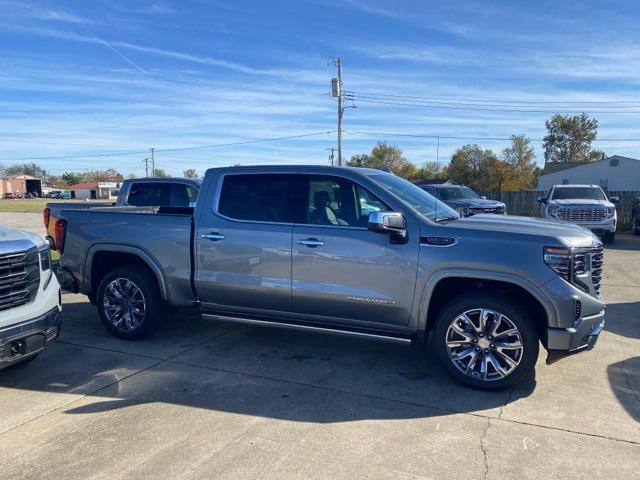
(260, 197)
(427, 205)
(337, 201)
(582, 193)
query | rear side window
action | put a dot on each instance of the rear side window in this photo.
(149, 194)
(260, 197)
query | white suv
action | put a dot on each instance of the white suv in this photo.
(584, 205)
(30, 301)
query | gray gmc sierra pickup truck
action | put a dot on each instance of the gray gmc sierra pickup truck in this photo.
(350, 251)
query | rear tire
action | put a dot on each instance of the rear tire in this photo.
(129, 303)
(636, 226)
(492, 359)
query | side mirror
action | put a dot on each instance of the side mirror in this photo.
(391, 223)
(542, 199)
(614, 199)
(483, 197)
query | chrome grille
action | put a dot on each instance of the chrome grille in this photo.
(582, 214)
(475, 210)
(19, 278)
(597, 262)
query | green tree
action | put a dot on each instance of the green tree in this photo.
(109, 175)
(32, 169)
(477, 168)
(433, 170)
(191, 173)
(569, 138)
(520, 156)
(159, 173)
(386, 156)
(70, 178)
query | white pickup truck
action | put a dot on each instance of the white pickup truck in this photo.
(30, 302)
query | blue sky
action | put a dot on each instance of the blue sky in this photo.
(113, 78)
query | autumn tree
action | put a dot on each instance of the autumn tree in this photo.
(520, 157)
(385, 156)
(159, 173)
(569, 138)
(190, 173)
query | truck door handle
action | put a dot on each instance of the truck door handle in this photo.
(214, 236)
(311, 242)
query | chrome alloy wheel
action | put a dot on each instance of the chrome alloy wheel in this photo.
(124, 304)
(484, 344)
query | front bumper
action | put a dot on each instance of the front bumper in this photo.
(28, 338)
(568, 341)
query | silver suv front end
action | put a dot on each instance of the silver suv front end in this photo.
(597, 218)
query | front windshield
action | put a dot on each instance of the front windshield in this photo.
(581, 193)
(456, 193)
(426, 204)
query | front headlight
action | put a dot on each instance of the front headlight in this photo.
(558, 259)
(553, 211)
(45, 258)
(611, 211)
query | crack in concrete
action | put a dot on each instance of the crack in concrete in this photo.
(483, 447)
(485, 434)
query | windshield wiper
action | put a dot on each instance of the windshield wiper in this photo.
(445, 219)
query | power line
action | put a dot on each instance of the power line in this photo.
(497, 102)
(455, 137)
(501, 110)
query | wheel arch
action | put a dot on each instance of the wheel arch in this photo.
(444, 286)
(103, 258)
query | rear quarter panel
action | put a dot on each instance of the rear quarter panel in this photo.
(162, 241)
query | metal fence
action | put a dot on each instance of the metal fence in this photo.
(526, 203)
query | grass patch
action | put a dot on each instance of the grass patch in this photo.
(34, 205)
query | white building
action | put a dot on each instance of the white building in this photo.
(95, 190)
(614, 174)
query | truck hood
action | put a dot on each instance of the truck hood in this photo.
(474, 203)
(580, 202)
(15, 240)
(566, 233)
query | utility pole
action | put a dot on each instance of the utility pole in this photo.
(331, 156)
(438, 154)
(336, 92)
(153, 163)
(146, 167)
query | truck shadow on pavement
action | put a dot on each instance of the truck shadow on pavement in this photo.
(624, 319)
(260, 372)
(624, 378)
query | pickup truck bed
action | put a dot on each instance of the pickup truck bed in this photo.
(118, 230)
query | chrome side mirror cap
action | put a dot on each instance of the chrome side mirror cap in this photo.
(391, 223)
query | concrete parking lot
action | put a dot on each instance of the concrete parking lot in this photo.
(207, 400)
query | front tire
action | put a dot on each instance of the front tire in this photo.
(609, 237)
(129, 304)
(486, 341)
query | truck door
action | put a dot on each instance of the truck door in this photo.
(243, 244)
(343, 270)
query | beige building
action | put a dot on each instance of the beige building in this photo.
(20, 186)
